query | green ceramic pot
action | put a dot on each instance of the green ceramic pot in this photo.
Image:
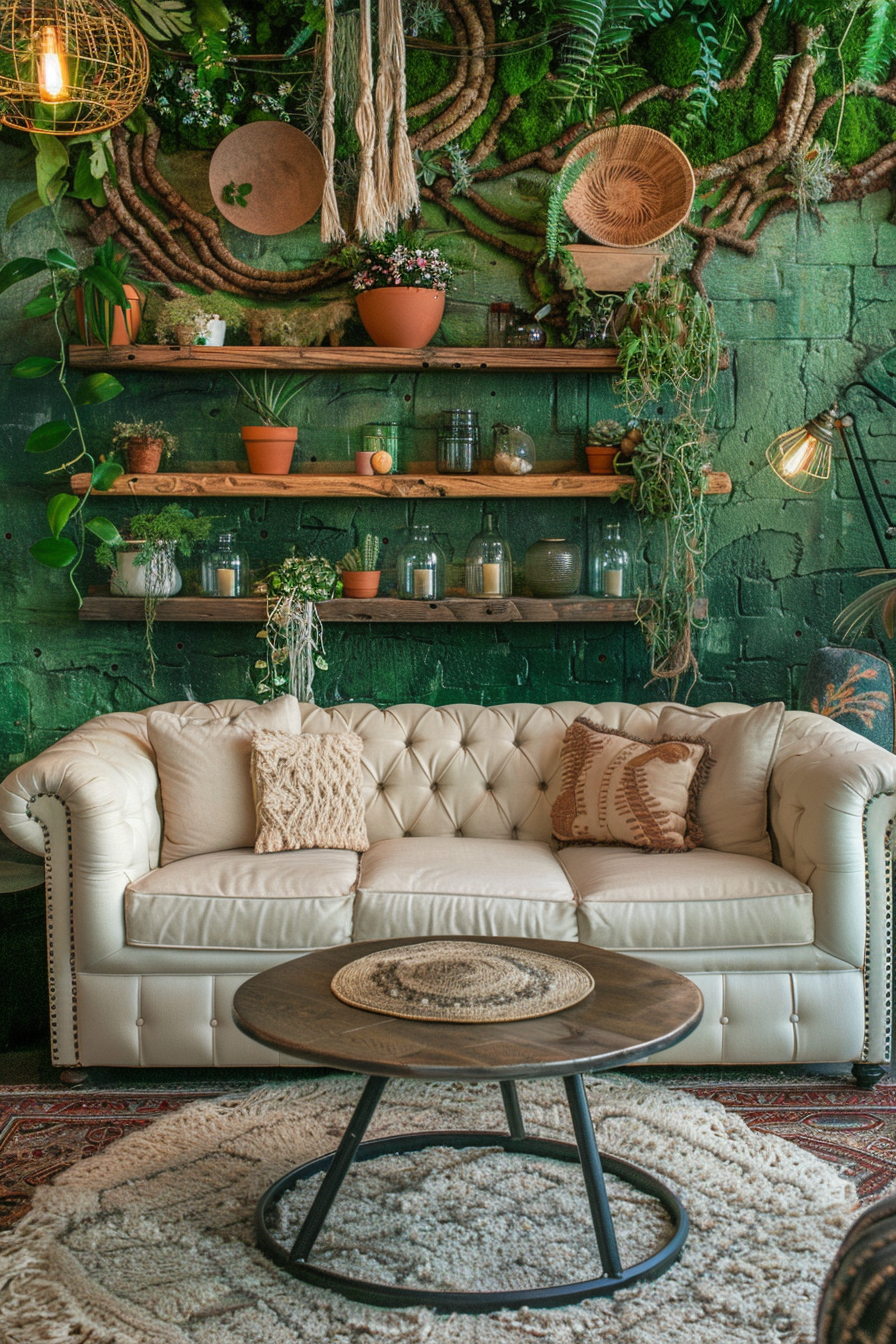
(553, 567)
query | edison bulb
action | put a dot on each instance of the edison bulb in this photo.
(802, 457)
(51, 67)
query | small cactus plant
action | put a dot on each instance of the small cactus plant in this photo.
(363, 557)
(606, 433)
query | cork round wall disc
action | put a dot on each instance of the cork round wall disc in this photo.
(267, 177)
(461, 982)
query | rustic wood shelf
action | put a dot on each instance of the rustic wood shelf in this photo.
(208, 358)
(365, 611)
(486, 486)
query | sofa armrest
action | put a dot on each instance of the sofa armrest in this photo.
(832, 804)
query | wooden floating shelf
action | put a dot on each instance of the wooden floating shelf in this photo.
(210, 359)
(486, 486)
(366, 611)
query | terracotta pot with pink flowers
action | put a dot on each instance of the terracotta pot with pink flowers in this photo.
(399, 288)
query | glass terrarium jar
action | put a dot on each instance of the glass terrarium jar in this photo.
(489, 567)
(224, 568)
(514, 450)
(457, 450)
(610, 567)
(421, 567)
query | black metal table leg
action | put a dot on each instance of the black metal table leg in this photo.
(512, 1110)
(594, 1175)
(336, 1172)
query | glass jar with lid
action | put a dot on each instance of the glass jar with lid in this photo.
(610, 567)
(224, 568)
(514, 450)
(421, 566)
(489, 567)
(457, 451)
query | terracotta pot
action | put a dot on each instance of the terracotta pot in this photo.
(601, 459)
(144, 456)
(269, 448)
(124, 325)
(402, 315)
(360, 582)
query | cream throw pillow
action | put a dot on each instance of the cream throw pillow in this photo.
(733, 808)
(620, 790)
(308, 791)
(205, 775)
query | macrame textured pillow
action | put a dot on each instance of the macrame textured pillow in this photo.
(308, 791)
(620, 790)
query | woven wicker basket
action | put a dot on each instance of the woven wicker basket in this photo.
(638, 187)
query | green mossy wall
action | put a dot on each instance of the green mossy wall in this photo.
(802, 318)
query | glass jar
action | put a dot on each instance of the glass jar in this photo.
(224, 569)
(553, 567)
(525, 332)
(421, 567)
(458, 443)
(382, 436)
(489, 567)
(499, 315)
(514, 450)
(610, 567)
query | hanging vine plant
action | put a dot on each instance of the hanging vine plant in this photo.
(293, 634)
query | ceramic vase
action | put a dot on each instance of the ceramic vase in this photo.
(553, 567)
(161, 576)
(402, 316)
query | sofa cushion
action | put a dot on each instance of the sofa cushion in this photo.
(286, 902)
(636, 902)
(205, 776)
(445, 885)
(733, 806)
(308, 791)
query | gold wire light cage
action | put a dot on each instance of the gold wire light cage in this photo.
(802, 457)
(637, 188)
(69, 67)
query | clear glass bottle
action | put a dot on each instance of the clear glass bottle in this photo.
(514, 450)
(421, 567)
(489, 567)
(457, 452)
(224, 568)
(610, 568)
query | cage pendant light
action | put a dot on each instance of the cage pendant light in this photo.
(69, 67)
(802, 457)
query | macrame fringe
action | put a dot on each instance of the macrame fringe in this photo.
(368, 221)
(331, 230)
(405, 187)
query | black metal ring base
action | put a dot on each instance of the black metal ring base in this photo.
(391, 1295)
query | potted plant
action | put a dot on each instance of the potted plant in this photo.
(667, 339)
(144, 445)
(143, 563)
(198, 319)
(399, 288)
(360, 576)
(293, 634)
(109, 297)
(270, 445)
(307, 324)
(602, 445)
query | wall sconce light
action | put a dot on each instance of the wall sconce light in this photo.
(802, 457)
(69, 67)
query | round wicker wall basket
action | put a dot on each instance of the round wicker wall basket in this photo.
(637, 188)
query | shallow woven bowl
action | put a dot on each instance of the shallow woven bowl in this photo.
(638, 187)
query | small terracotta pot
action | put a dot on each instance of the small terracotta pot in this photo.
(362, 464)
(124, 324)
(144, 456)
(601, 460)
(269, 448)
(360, 582)
(403, 316)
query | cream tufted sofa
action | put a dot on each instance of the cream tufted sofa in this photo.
(792, 957)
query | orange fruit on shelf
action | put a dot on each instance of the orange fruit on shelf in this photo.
(381, 462)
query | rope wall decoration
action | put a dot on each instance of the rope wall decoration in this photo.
(331, 230)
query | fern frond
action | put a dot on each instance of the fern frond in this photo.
(586, 18)
(566, 179)
(879, 50)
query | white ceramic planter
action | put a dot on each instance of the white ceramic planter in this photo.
(212, 333)
(161, 576)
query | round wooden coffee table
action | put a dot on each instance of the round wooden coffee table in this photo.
(635, 1010)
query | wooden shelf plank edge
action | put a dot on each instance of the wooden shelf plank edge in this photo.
(190, 358)
(453, 610)
(215, 485)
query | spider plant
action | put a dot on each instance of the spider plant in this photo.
(269, 395)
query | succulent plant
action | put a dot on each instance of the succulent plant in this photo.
(363, 557)
(606, 432)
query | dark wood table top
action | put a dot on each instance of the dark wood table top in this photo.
(635, 1010)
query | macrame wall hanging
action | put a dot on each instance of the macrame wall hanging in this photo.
(387, 184)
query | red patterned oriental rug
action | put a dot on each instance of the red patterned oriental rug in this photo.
(44, 1130)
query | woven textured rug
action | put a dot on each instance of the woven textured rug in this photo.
(150, 1241)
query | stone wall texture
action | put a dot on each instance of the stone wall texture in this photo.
(802, 318)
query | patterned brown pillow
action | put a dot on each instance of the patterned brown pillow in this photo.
(308, 791)
(620, 790)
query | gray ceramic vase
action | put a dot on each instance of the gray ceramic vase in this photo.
(553, 567)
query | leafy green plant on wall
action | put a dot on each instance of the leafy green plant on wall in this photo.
(67, 517)
(293, 633)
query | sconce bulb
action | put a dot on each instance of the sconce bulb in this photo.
(802, 457)
(51, 67)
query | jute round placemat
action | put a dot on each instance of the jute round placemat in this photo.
(461, 982)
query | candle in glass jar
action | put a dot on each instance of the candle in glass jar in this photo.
(226, 582)
(423, 583)
(491, 579)
(613, 582)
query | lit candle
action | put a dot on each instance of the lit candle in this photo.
(491, 579)
(424, 585)
(613, 582)
(227, 583)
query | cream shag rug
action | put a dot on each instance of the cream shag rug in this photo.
(150, 1242)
